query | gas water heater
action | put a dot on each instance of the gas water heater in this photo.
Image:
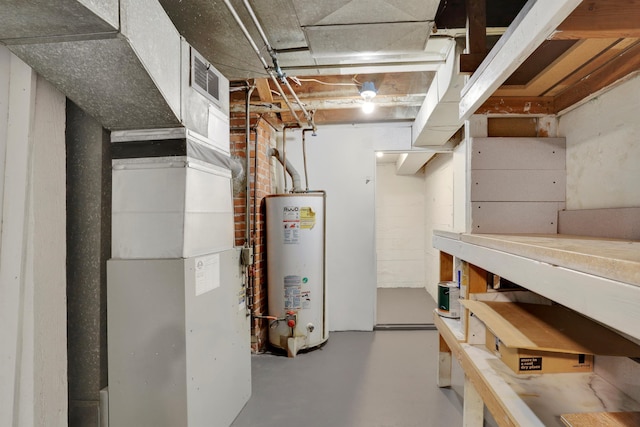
(296, 270)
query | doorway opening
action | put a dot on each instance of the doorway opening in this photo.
(402, 299)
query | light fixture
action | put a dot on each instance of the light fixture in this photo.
(380, 154)
(368, 92)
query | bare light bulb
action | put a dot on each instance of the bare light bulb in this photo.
(368, 92)
(367, 107)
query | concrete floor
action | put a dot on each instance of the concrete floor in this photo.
(358, 379)
(404, 306)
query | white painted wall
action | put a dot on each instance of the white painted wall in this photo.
(400, 228)
(341, 160)
(603, 149)
(439, 209)
(33, 368)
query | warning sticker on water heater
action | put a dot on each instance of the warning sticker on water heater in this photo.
(307, 218)
(291, 224)
(305, 298)
(292, 293)
(294, 219)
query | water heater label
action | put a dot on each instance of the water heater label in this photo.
(307, 218)
(291, 224)
(292, 292)
(294, 219)
(305, 298)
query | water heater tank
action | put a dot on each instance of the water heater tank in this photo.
(296, 270)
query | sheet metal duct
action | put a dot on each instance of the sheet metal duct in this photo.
(21, 21)
(118, 60)
(373, 27)
(341, 12)
(295, 28)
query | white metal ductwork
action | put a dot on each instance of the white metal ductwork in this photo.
(438, 119)
(122, 61)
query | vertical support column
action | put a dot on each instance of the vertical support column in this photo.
(444, 355)
(473, 281)
(444, 364)
(89, 248)
(473, 407)
(476, 27)
(446, 267)
(33, 375)
(476, 36)
(20, 84)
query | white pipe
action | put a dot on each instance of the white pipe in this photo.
(286, 100)
(247, 147)
(284, 157)
(295, 176)
(246, 33)
(304, 156)
(255, 48)
(272, 52)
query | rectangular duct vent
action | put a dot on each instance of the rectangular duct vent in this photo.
(205, 78)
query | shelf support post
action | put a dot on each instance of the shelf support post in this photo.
(473, 406)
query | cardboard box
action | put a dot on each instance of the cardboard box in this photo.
(524, 361)
(539, 338)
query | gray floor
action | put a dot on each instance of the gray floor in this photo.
(404, 306)
(358, 379)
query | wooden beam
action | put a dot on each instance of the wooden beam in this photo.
(601, 19)
(532, 26)
(264, 90)
(592, 66)
(446, 267)
(476, 26)
(444, 364)
(380, 101)
(579, 54)
(469, 62)
(499, 105)
(477, 280)
(476, 36)
(626, 63)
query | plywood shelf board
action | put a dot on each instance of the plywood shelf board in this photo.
(609, 258)
(532, 400)
(602, 419)
(453, 325)
(549, 328)
(613, 303)
(448, 234)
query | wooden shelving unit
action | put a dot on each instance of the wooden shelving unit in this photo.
(599, 278)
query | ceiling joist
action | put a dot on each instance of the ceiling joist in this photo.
(334, 104)
(601, 19)
(264, 90)
(514, 105)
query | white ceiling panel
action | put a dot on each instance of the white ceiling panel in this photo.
(340, 12)
(368, 40)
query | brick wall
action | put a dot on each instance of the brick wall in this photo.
(261, 188)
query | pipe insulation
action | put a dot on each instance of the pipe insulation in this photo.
(293, 173)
